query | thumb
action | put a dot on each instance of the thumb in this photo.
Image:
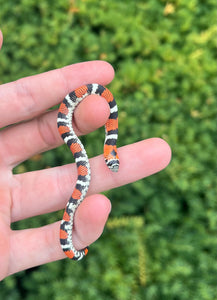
(90, 220)
(37, 246)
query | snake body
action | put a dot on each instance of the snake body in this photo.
(64, 122)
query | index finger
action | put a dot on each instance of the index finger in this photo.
(28, 97)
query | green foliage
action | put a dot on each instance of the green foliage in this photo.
(164, 54)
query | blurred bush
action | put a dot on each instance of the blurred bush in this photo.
(160, 242)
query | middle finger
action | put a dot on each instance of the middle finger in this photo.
(52, 187)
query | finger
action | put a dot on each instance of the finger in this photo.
(30, 96)
(52, 187)
(33, 247)
(1, 39)
(19, 142)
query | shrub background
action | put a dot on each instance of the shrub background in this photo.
(164, 54)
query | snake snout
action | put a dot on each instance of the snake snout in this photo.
(113, 165)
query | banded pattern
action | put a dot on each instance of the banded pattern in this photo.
(64, 122)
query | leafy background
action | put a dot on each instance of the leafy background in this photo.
(164, 54)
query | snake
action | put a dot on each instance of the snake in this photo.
(66, 131)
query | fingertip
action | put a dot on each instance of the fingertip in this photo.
(165, 151)
(103, 71)
(142, 159)
(109, 70)
(92, 113)
(95, 207)
(95, 71)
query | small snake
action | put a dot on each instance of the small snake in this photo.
(64, 122)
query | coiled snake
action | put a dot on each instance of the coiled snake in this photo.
(64, 122)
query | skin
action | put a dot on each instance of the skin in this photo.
(35, 193)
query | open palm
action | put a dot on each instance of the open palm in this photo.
(23, 106)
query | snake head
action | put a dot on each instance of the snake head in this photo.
(113, 164)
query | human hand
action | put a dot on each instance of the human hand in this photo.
(34, 193)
